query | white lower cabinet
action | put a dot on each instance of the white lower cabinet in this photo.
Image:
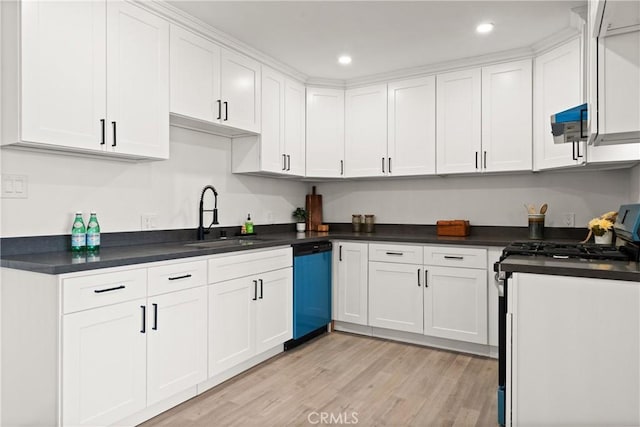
(274, 311)
(455, 303)
(252, 313)
(395, 296)
(104, 364)
(232, 324)
(176, 342)
(350, 285)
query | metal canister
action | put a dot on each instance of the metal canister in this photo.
(536, 226)
(356, 222)
(369, 221)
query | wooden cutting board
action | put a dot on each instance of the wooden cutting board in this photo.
(314, 210)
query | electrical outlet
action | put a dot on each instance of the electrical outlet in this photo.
(569, 219)
(149, 221)
(14, 186)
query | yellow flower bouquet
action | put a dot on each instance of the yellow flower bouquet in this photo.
(602, 224)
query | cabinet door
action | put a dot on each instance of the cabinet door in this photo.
(455, 304)
(325, 132)
(232, 323)
(137, 81)
(294, 138)
(240, 91)
(274, 309)
(458, 122)
(411, 144)
(177, 342)
(63, 73)
(506, 117)
(103, 364)
(395, 296)
(352, 286)
(272, 155)
(365, 136)
(557, 86)
(195, 76)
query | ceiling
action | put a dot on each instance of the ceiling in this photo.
(381, 36)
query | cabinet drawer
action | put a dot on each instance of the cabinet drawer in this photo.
(403, 254)
(81, 293)
(175, 277)
(455, 256)
(231, 266)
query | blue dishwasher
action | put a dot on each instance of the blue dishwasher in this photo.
(311, 291)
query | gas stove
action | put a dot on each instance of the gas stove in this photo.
(563, 250)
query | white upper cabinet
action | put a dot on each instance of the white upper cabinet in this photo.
(64, 85)
(279, 149)
(506, 117)
(365, 138)
(484, 119)
(137, 81)
(411, 141)
(557, 86)
(325, 133)
(195, 76)
(272, 155)
(94, 78)
(458, 123)
(294, 132)
(240, 91)
(213, 85)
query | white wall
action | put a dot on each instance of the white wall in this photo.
(634, 194)
(121, 191)
(484, 200)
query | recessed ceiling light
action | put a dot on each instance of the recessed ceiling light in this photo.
(485, 28)
(344, 59)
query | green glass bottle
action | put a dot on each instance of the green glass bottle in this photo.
(78, 234)
(93, 233)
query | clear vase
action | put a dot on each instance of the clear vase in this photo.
(605, 239)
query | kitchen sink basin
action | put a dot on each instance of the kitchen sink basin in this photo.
(224, 243)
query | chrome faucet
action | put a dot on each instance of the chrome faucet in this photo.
(201, 230)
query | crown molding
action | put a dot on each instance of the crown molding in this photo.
(191, 23)
(325, 83)
(446, 66)
(554, 40)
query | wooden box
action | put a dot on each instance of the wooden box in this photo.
(456, 228)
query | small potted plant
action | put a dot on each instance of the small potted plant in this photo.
(300, 215)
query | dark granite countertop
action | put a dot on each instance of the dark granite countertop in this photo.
(614, 270)
(49, 254)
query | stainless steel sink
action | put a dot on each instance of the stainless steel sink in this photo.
(224, 243)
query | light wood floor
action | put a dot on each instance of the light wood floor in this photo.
(385, 383)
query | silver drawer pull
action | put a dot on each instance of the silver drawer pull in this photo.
(453, 257)
(99, 291)
(186, 276)
(395, 253)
